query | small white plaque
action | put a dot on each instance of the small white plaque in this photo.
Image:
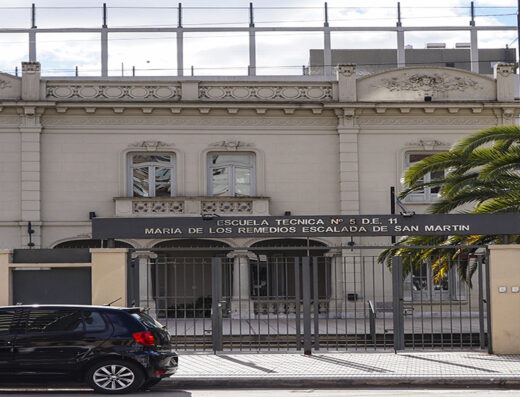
(502, 289)
(515, 289)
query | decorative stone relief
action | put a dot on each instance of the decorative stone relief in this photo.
(157, 207)
(226, 207)
(346, 70)
(31, 66)
(247, 93)
(113, 92)
(4, 84)
(430, 83)
(150, 146)
(506, 69)
(232, 145)
(427, 144)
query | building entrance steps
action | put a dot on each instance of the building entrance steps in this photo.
(343, 369)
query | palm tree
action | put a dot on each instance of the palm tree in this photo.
(481, 175)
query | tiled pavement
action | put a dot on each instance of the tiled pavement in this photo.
(292, 369)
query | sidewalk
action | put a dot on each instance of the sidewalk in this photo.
(344, 369)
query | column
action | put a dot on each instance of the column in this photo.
(337, 285)
(474, 50)
(401, 63)
(241, 303)
(145, 279)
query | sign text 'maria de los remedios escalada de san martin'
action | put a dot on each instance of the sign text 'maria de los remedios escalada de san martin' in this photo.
(306, 226)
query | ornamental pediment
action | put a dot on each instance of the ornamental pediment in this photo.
(10, 86)
(416, 83)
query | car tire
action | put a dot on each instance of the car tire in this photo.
(115, 377)
(151, 382)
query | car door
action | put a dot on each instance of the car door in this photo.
(51, 342)
(9, 319)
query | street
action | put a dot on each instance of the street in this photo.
(358, 392)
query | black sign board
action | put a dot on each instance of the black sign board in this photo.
(305, 226)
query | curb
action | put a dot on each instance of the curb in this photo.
(333, 382)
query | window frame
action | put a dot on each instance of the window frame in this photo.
(151, 175)
(231, 176)
(426, 196)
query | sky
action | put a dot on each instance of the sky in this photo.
(219, 53)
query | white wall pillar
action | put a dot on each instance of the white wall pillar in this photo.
(401, 63)
(145, 279)
(241, 304)
(474, 50)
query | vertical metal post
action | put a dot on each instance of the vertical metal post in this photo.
(401, 63)
(397, 293)
(326, 24)
(76, 71)
(474, 42)
(33, 16)
(297, 297)
(252, 43)
(306, 286)
(133, 71)
(104, 43)
(327, 51)
(180, 43)
(482, 336)
(316, 303)
(488, 305)
(518, 26)
(32, 36)
(216, 305)
(392, 206)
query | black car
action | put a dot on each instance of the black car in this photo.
(115, 350)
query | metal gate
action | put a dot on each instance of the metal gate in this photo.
(339, 301)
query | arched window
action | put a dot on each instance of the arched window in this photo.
(151, 175)
(231, 174)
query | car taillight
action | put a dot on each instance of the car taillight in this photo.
(144, 338)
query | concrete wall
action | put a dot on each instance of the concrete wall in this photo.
(505, 298)
(109, 275)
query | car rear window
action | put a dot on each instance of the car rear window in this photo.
(7, 321)
(52, 320)
(147, 321)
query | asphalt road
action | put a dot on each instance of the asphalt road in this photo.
(357, 392)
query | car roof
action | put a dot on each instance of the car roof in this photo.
(56, 306)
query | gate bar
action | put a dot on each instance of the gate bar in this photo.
(481, 304)
(397, 292)
(216, 305)
(297, 298)
(306, 278)
(488, 306)
(316, 303)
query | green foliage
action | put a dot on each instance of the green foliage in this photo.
(481, 175)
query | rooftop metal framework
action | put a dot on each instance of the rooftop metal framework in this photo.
(326, 30)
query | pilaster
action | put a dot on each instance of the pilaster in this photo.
(348, 131)
(30, 136)
(505, 77)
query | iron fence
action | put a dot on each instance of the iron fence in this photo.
(337, 301)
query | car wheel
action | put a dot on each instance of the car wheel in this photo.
(150, 383)
(115, 377)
